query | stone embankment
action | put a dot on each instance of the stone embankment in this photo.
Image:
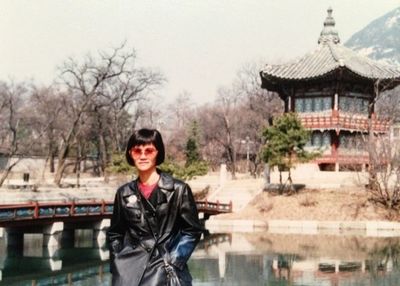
(244, 189)
(358, 228)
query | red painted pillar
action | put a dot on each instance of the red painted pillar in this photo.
(36, 210)
(71, 211)
(103, 207)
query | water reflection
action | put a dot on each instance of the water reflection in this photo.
(220, 259)
(277, 259)
(31, 264)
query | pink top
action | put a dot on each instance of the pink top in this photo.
(147, 190)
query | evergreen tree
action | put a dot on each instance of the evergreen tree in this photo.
(285, 142)
(192, 150)
(194, 165)
(192, 154)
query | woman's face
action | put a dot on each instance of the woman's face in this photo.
(144, 157)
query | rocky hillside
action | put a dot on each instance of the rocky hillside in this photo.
(379, 40)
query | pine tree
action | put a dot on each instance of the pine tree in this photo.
(192, 149)
(285, 142)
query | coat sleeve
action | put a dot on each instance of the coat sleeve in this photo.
(190, 230)
(117, 229)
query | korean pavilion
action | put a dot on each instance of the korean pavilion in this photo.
(332, 89)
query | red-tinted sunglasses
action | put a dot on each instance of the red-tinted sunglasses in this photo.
(148, 151)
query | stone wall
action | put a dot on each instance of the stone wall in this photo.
(38, 168)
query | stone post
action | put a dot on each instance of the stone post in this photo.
(52, 234)
(267, 176)
(99, 230)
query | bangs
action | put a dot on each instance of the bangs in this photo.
(144, 137)
(144, 140)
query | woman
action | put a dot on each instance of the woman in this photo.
(155, 226)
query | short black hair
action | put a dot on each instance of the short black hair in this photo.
(146, 136)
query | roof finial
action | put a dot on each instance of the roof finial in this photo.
(329, 33)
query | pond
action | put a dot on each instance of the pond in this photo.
(241, 259)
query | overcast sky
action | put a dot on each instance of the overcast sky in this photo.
(198, 45)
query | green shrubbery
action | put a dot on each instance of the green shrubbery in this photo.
(199, 168)
(119, 165)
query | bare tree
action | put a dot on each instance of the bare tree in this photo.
(259, 108)
(18, 132)
(241, 111)
(219, 124)
(212, 149)
(263, 103)
(181, 109)
(388, 105)
(384, 179)
(46, 109)
(384, 157)
(179, 115)
(109, 81)
(11, 123)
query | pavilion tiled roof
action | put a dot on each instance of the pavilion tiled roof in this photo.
(329, 56)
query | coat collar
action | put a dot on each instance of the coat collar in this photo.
(165, 183)
(166, 186)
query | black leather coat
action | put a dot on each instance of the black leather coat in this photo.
(142, 237)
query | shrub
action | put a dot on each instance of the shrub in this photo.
(199, 168)
(308, 201)
(118, 165)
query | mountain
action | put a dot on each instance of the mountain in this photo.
(379, 40)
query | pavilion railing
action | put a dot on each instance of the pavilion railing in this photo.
(344, 121)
